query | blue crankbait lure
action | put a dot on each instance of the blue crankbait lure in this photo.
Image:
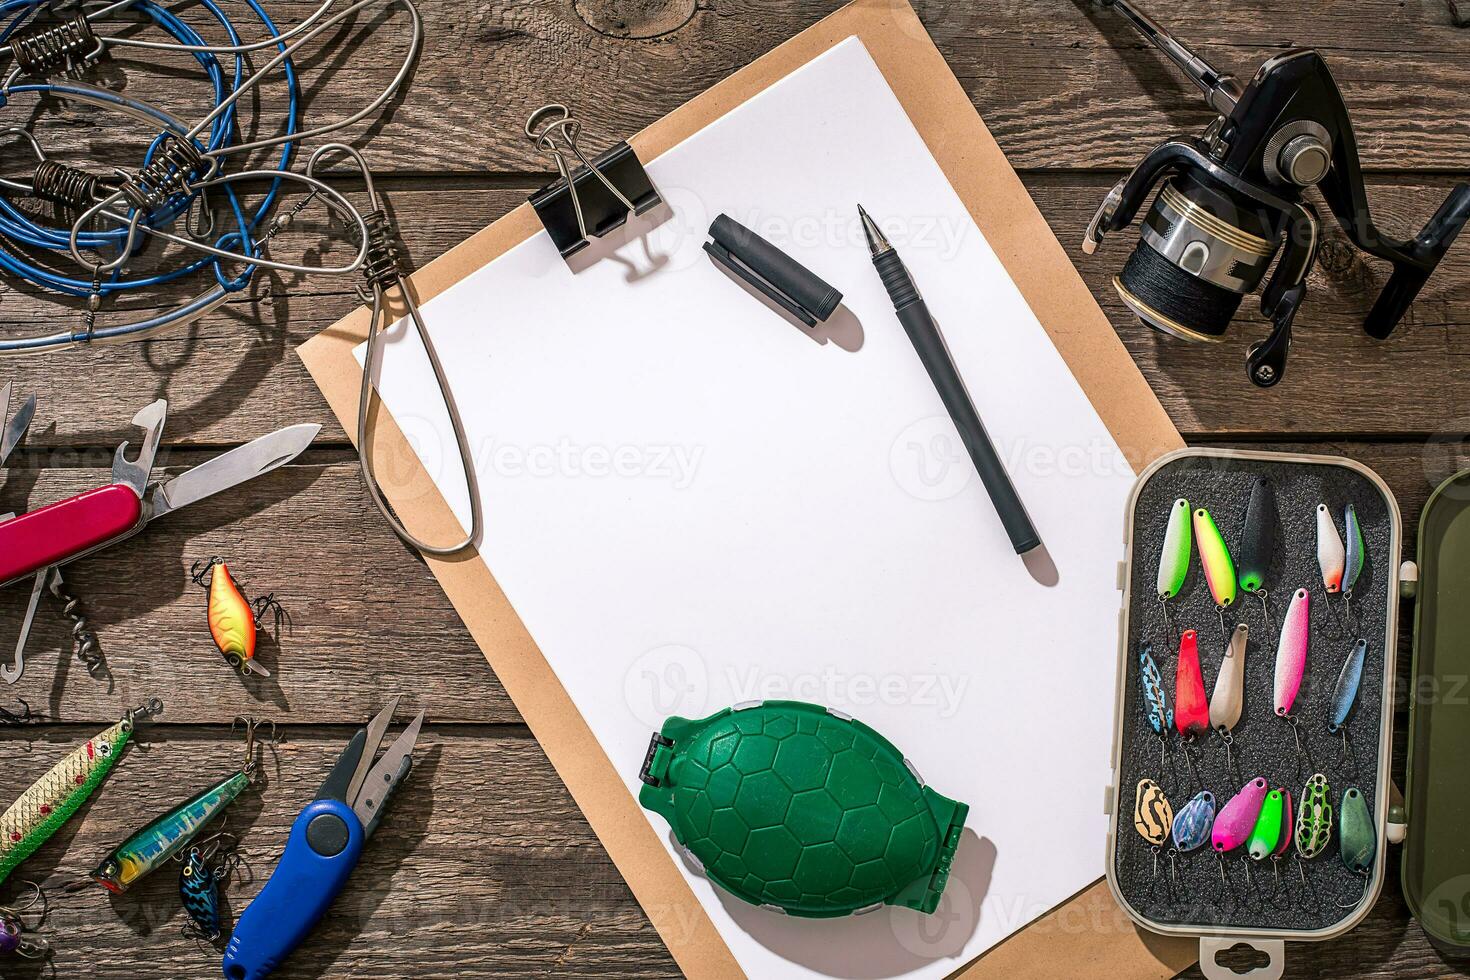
(199, 881)
(1345, 693)
(1192, 824)
(1155, 701)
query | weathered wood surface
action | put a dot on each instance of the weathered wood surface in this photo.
(485, 867)
(1059, 84)
(235, 375)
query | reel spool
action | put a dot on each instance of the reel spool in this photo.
(1232, 200)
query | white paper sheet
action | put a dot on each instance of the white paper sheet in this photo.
(691, 503)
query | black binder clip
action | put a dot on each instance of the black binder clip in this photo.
(597, 196)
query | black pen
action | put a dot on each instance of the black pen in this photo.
(924, 335)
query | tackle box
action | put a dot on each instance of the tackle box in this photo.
(1231, 900)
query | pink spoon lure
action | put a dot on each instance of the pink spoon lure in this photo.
(1235, 822)
(1291, 652)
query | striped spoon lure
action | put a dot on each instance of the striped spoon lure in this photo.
(1214, 556)
(1258, 542)
(1152, 816)
(41, 810)
(1174, 556)
(1155, 702)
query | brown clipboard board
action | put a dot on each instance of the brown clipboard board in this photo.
(1088, 936)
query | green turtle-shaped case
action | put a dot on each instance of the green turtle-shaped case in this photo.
(795, 807)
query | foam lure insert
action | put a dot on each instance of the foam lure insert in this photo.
(1238, 818)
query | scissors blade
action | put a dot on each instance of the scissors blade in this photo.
(17, 426)
(375, 731)
(386, 775)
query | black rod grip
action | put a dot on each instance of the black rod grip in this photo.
(781, 271)
(913, 313)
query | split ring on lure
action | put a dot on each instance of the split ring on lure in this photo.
(1215, 557)
(1174, 556)
(1193, 822)
(41, 810)
(1191, 710)
(1238, 817)
(13, 941)
(1345, 693)
(232, 617)
(1258, 541)
(1155, 703)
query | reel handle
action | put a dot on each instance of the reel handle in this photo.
(1422, 257)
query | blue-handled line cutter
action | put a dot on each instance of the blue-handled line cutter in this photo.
(325, 843)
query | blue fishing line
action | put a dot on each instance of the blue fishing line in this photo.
(22, 228)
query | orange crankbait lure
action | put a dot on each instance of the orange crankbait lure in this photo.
(232, 617)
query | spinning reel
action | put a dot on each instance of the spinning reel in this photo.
(1232, 198)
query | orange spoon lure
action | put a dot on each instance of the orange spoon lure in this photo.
(232, 617)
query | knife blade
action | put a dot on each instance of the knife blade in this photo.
(17, 426)
(229, 469)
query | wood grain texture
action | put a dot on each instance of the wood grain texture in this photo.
(485, 867)
(1059, 83)
(234, 375)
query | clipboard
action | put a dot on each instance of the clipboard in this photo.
(1087, 936)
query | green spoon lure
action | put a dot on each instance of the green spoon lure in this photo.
(1174, 557)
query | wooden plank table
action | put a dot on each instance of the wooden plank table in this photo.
(485, 867)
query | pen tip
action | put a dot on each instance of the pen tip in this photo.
(877, 244)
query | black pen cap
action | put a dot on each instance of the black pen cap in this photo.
(797, 285)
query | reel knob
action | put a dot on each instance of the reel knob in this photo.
(1304, 160)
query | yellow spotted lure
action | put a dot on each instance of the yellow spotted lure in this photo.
(232, 617)
(41, 810)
